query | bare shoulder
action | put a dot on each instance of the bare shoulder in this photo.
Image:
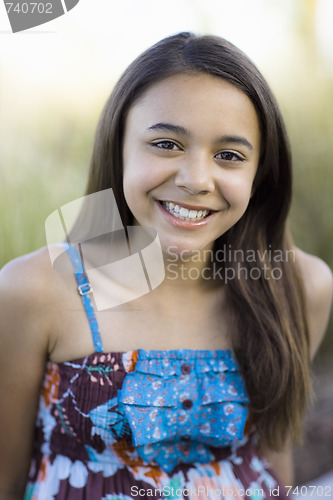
(318, 284)
(317, 278)
(25, 296)
(27, 270)
(25, 278)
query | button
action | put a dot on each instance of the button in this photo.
(187, 404)
(185, 448)
(186, 369)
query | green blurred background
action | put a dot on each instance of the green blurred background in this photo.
(53, 86)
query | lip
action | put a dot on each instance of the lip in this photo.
(184, 224)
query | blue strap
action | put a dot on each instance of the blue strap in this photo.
(84, 289)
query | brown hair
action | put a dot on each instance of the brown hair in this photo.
(271, 339)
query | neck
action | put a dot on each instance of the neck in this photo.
(190, 270)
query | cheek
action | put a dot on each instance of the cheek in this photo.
(138, 181)
(237, 190)
(141, 175)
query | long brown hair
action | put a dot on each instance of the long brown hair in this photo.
(271, 339)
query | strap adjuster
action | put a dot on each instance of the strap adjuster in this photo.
(85, 288)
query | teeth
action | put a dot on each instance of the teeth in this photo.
(184, 213)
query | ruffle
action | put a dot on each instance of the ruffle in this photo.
(169, 363)
(180, 403)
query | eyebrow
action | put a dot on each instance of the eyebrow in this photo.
(169, 127)
(178, 129)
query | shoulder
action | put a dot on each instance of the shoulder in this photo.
(317, 278)
(26, 295)
(26, 276)
(318, 286)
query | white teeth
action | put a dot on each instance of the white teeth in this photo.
(184, 213)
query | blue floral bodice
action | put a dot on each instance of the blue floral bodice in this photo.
(180, 403)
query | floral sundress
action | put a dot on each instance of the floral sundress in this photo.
(145, 424)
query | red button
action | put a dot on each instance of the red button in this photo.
(186, 369)
(187, 404)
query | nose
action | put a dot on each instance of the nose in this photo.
(195, 175)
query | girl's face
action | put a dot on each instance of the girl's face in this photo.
(191, 151)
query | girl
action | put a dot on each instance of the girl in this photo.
(197, 388)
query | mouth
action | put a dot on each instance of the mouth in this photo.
(186, 213)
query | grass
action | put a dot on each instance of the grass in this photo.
(47, 170)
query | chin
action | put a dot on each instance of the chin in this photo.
(178, 250)
(178, 253)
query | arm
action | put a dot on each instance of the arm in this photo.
(282, 464)
(23, 339)
(318, 285)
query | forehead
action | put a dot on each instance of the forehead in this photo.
(198, 102)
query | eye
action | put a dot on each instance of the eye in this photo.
(228, 156)
(168, 145)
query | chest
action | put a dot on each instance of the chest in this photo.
(194, 327)
(192, 322)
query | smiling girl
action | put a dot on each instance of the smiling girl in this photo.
(198, 387)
